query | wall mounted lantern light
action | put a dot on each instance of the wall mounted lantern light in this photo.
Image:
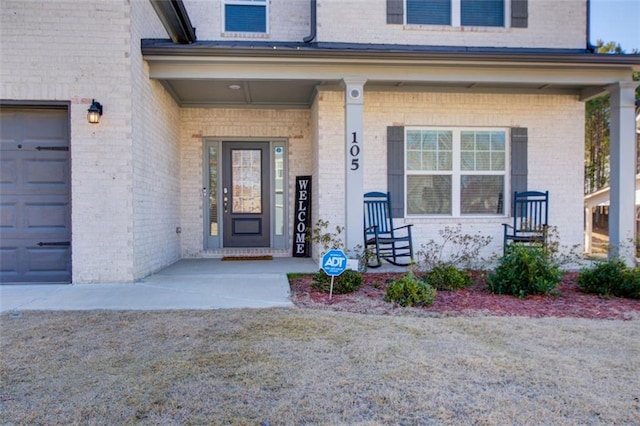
(94, 112)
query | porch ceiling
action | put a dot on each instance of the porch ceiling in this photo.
(289, 93)
(242, 93)
(205, 75)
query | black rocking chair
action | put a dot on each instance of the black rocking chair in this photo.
(381, 239)
(530, 219)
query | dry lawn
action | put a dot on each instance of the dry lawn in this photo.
(299, 366)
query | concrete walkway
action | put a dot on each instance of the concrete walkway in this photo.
(187, 284)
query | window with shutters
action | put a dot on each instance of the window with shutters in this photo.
(245, 16)
(455, 171)
(456, 13)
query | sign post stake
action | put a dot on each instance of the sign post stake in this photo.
(331, 288)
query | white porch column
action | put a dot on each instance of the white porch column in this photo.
(623, 170)
(588, 232)
(354, 180)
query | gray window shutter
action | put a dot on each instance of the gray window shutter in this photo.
(395, 169)
(519, 13)
(395, 11)
(518, 159)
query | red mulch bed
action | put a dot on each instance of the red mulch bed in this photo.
(474, 300)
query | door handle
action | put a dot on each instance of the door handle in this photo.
(225, 200)
(55, 243)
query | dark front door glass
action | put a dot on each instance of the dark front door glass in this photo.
(245, 194)
(212, 152)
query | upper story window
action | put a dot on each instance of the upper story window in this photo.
(245, 16)
(429, 12)
(484, 13)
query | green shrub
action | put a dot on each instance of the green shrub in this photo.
(448, 277)
(611, 278)
(347, 282)
(601, 278)
(630, 287)
(410, 291)
(525, 270)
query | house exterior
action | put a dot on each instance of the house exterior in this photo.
(212, 109)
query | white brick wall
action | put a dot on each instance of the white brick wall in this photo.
(555, 124)
(156, 154)
(329, 196)
(197, 124)
(552, 23)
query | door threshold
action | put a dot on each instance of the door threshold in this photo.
(245, 252)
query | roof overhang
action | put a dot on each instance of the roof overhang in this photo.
(287, 75)
(175, 19)
(602, 197)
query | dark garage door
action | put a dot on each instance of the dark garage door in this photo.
(35, 208)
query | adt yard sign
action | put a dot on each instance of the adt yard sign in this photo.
(334, 262)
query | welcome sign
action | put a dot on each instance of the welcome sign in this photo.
(302, 217)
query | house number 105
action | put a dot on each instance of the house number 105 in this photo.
(354, 152)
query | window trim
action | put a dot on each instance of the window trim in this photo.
(263, 3)
(457, 172)
(456, 17)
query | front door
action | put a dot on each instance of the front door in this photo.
(245, 194)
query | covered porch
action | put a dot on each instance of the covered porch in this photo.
(292, 76)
